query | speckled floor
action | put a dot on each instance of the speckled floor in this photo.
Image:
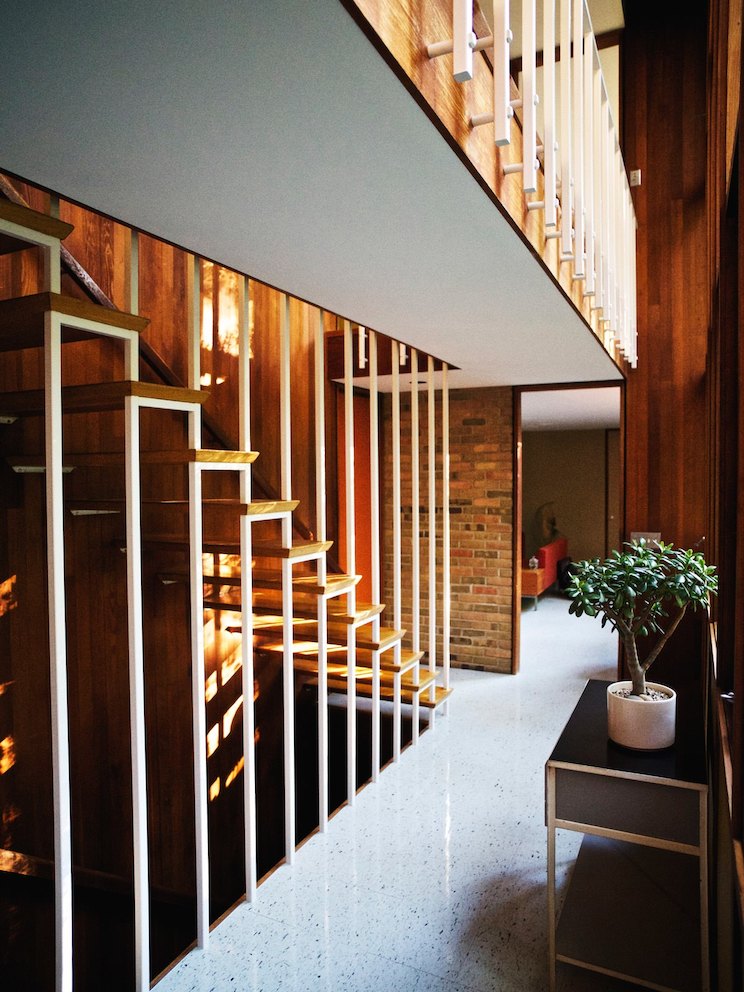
(435, 879)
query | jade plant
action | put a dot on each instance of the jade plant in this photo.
(642, 590)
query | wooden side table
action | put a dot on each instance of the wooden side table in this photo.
(636, 907)
(533, 582)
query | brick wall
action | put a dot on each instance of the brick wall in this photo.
(481, 431)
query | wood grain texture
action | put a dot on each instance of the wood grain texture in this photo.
(34, 220)
(401, 29)
(664, 98)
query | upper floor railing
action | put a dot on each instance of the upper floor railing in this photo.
(586, 196)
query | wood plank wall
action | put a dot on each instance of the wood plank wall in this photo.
(726, 405)
(664, 80)
(666, 450)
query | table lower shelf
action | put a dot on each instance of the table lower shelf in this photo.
(633, 912)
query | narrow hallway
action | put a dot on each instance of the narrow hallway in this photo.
(435, 880)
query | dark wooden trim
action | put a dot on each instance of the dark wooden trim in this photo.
(517, 527)
(606, 489)
(589, 384)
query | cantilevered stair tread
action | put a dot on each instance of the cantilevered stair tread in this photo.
(301, 550)
(408, 659)
(307, 585)
(179, 542)
(202, 456)
(336, 669)
(440, 695)
(87, 459)
(34, 463)
(301, 647)
(22, 319)
(252, 509)
(97, 397)
(337, 613)
(338, 633)
(409, 688)
(32, 220)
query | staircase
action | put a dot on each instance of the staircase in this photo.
(284, 605)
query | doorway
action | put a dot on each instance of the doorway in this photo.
(568, 487)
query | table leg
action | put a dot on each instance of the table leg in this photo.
(550, 810)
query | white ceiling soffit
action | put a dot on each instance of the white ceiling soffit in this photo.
(571, 409)
(273, 138)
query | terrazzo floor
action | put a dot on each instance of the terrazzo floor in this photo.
(435, 880)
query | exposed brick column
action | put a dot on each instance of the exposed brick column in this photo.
(481, 514)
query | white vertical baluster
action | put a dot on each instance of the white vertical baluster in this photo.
(502, 109)
(599, 231)
(606, 209)
(549, 137)
(446, 592)
(623, 255)
(322, 602)
(287, 656)
(432, 442)
(616, 170)
(633, 291)
(137, 699)
(351, 726)
(529, 98)
(462, 40)
(588, 75)
(136, 656)
(578, 136)
(58, 653)
(415, 533)
(246, 595)
(397, 581)
(196, 586)
(374, 511)
(566, 139)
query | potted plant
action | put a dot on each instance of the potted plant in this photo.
(643, 590)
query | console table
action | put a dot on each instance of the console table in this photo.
(636, 907)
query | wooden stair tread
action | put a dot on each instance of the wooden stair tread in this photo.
(34, 463)
(32, 220)
(305, 648)
(307, 585)
(309, 650)
(22, 319)
(408, 659)
(364, 613)
(338, 673)
(86, 459)
(408, 688)
(202, 456)
(440, 695)
(299, 550)
(97, 397)
(254, 508)
(337, 632)
(264, 506)
(179, 543)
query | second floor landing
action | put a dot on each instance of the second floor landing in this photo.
(278, 139)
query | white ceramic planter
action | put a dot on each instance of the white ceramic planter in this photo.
(641, 724)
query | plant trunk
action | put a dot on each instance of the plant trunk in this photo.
(637, 674)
